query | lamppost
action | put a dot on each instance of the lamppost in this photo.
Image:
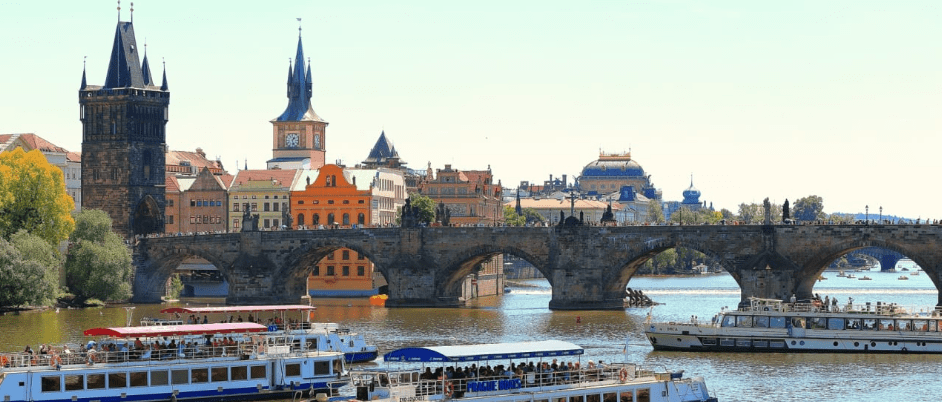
(881, 214)
(867, 214)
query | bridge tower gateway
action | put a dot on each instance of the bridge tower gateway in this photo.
(124, 139)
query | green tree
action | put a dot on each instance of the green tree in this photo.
(33, 197)
(810, 208)
(176, 286)
(99, 265)
(511, 218)
(533, 216)
(655, 212)
(29, 269)
(426, 207)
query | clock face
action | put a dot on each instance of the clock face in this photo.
(291, 140)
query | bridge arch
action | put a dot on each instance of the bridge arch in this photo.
(626, 267)
(150, 283)
(463, 263)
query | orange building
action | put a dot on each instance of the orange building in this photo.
(330, 198)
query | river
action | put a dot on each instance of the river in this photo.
(523, 315)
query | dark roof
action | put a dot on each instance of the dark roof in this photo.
(299, 92)
(382, 151)
(145, 72)
(124, 70)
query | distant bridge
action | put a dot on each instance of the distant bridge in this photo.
(588, 267)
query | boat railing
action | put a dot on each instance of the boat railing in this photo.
(817, 306)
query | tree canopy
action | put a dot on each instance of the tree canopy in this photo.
(99, 264)
(511, 218)
(29, 268)
(810, 208)
(33, 197)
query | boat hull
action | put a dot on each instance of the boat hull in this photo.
(361, 357)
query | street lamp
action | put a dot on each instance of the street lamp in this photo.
(881, 214)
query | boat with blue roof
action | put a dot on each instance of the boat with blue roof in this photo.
(541, 371)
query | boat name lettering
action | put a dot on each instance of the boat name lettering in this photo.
(410, 399)
(495, 385)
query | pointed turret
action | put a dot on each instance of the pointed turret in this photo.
(164, 86)
(383, 154)
(84, 84)
(124, 70)
(145, 71)
(299, 91)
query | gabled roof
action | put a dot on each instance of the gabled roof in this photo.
(284, 177)
(32, 141)
(171, 184)
(184, 161)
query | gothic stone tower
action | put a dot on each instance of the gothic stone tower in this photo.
(299, 133)
(123, 140)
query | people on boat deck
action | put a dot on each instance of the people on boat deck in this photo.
(28, 350)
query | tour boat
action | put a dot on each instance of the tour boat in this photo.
(903, 278)
(516, 372)
(327, 336)
(768, 325)
(202, 362)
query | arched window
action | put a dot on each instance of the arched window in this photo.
(317, 219)
(300, 219)
(330, 218)
(346, 219)
(361, 219)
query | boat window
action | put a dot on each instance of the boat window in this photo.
(321, 368)
(179, 376)
(293, 369)
(921, 325)
(218, 374)
(74, 383)
(95, 381)
(51, 384)
(609, 397)
(835, 323)
(577, 398)
(199, 375)
(933, 326)
(644, 395)
(904, 325)
(762, 321)
(563, 399)
(818, 323)
(852, 323)
(626, 397)
(138, 378)
(869, 323)
(744, 321)
(886, 325)
(729, 321)
(239, 373)
(117, 380)
(593, 398)
(777, 322)
(258, 372)
(798, 322)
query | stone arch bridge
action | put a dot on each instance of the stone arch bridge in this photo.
(588, 267)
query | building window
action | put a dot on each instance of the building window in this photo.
(170, 202)
(254, 207)
(274, 206)
(360, 202)
(346, 270)
(317, 270)
(300, 219)
(360, 256)
(330, 270)
(300, 202)
(235, 207)
(266, 207)
(274, 223)
(170, 219)
(361, 219)
(361, 270)
(267, 223)
(192, 219)
(345, 202)
(192, 203)
(330, 202)
(346, 255)
(317, 219)
(235, 223)
(346, 219)
(266, 197)
(330, 218)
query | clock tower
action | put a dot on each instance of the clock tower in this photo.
(298, 135)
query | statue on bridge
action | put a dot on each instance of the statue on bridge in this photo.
(443, 214)
(608, 218)
(249, 221)
(410, 215)
(286, 219)
(785, 214)
(768, 210)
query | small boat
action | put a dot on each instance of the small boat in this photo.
(851, 276)
(769, 325)
(326, 336)
(914, 273)
(822, 278)
(517, 372)
(903, 278)
(865, 278)
(841, 274)
(200, 362)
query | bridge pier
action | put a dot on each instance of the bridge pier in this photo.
(150, 285)
(412, 285)
(584, 291)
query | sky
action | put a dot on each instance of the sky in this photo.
(754, 99)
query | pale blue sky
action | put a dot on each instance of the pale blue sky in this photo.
(756, 99)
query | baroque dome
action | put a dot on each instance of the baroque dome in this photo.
(613, 165)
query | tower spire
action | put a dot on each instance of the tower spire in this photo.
(119, 10)
(84, 84)
(164, 86)
(132, 14)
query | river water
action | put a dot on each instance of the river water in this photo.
(523, 315)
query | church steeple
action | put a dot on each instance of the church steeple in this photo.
(299, 90)
(84, 83)
(145, 69)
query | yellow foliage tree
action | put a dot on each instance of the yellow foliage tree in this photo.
(33, 197)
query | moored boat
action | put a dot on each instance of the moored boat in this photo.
(324, 335)
(517, 372)
(205, 362)
(865, 278)
(776, 326)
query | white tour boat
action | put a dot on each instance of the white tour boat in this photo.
(204, 362)
(517, 372)
(326, 336)
(768, 325)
